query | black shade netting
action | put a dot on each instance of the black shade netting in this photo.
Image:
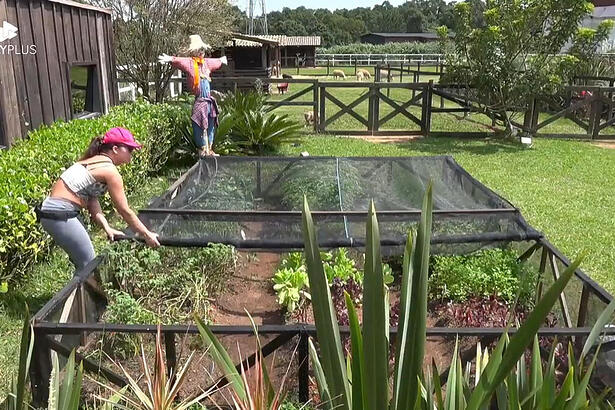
(256, 202)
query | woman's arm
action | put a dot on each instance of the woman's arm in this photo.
(115, 185)
(98, 217)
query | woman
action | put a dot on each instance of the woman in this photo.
(205, 110)
(80, 186)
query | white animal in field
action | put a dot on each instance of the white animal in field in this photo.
(339, 73)
(309, 117)
(363, 74)
(384, 76)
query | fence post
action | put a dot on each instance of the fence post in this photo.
(328, 66)
(171, 355)
(401, 72)
(370, 104)
(315, 105)
(388, 79)
(297, 64)
(597, 110)
(355, 66)
(426, 109)
(304, 367)
(322, 117)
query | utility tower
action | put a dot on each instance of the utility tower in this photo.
(253, 22)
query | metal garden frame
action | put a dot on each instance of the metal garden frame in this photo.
(80, 293)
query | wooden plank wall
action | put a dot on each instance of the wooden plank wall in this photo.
(34, 88)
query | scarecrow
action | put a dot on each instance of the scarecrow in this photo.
(205, 110)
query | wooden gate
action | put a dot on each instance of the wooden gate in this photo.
(375, 98)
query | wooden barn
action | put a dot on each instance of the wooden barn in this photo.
(56, 62)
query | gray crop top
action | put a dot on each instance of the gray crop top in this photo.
(80, 181)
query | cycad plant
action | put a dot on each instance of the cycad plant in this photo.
(362, 380)
(246, 124)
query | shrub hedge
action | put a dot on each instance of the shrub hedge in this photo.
(28, 169)
(411, 47)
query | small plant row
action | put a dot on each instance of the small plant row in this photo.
(468, 290)
(164, 285)
(290, 281)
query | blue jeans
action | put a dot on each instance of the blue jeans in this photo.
(197, 132)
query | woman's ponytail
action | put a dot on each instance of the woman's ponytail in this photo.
(93, 148)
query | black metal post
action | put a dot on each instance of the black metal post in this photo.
(304, 368)
(40, 369)
(258, 179)
(169, 348)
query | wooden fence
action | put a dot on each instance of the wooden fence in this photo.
(590, 108)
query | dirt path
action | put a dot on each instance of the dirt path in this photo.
(605, 144)
(250, 289)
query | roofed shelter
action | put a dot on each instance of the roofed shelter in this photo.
(56, 62)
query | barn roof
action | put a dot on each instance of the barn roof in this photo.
(244, 40)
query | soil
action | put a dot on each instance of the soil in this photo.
(605, 144)
(250, 290)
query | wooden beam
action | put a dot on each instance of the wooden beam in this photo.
(562, 297)
(9, 111)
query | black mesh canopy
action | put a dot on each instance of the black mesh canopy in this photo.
(255, 203)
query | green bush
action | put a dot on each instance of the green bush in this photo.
(30, 167)
(410, 47)
(321, 187)
(246, 126)
(482, 274)
(176, 282)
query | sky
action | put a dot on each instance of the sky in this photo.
(276, 5)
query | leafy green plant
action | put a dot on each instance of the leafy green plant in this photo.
(16, 397)
(291, 282)
(322, 186)
(246, 124)
(363, 383)
(482, 274)
(251, 389)
(65, 385)
(290, 286)
(166, 285)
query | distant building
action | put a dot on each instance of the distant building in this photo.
(603, 10)
(384, 38)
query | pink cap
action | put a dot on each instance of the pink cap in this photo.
(119, 135)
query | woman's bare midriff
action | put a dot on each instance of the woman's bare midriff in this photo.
(60, 190)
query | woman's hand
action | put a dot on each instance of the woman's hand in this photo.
(151, 239)
(114, 234)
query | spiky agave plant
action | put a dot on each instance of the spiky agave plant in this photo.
(251, 389)
(162, 389)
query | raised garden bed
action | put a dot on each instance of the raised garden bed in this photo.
(468, 217)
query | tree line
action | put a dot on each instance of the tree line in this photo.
(346, 26)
